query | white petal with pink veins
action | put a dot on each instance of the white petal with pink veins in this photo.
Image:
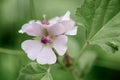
(56, 29)
(46, 56)
(60, 44)
(32, 28)
(32, 48)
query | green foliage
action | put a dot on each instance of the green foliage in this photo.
(98, 33)
(102, 21)
(99, 30)
(109, 61)
(88, 58)
(34, 71)
(60, 73)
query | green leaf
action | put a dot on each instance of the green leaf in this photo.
(47, 77)
(108, 36)
(32, 71)
(101, 18)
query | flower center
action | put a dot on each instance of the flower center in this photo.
(45, 22)
(45, 40)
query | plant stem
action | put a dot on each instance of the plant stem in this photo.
(69, 69)
(74, 75)
(11, 52)
(32, 9)
(81, 52)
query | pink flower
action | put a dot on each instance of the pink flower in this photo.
(49, 34)
(68, 23)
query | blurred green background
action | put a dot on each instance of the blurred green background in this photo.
(15, 13)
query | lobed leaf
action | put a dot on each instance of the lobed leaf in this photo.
(33, 71)
(102, 21)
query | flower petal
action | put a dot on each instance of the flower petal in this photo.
(53, 21)
(68, 25)
(60, 44)
(66, 16)
(56, 29)
(72, 31)
(32, 48)
(32, 28)
(46, 56)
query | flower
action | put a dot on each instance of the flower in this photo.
(68, 24)
(49, 35)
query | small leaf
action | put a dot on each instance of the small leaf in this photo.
(32, 71)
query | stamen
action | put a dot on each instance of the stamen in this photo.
(44, 20)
